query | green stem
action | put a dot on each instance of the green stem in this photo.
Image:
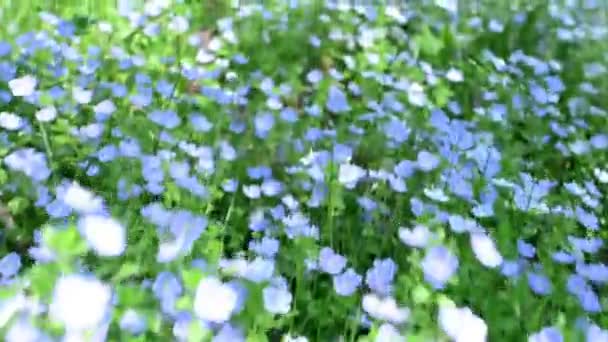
(47, 144)
(330, 207)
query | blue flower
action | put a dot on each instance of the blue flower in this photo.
(380, 277)
(385, 309)
(267, 246)
(271, 187)
(167, 119)
(29, 161)
(277, 299)
(337, 101)
(314, 76)
(167, 288)
(531, 195)
(547, 334)
(418, 237)
(461, 324)
(263, 123)
(596, 272)
(539, 283)
(525, 249)
(229, 333)
(200, 123)
(587, 219)
(186, 228)
(259, 270)
(133, 322)
(596, 334)
(460, 224)
(427, 161)
(331, 262)
(346, 284)
(439, 265)
(349, 175)
(587, 245)
(257, 221)
(10, 265)
(396, 131)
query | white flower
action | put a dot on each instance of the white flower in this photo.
(23, 331)
(179, 24)
(105, 27)
(10, 121)
(82, 96)
(601, 175)
(23, 86)
(81, 199)
(385, 309)
(105, 107)
(350, 174)
(436, 194)
(204, 56)
(277, 299)
(418, 236)
(214, 301)
(462, 325)
(485, 250)
(46, 114)
(105, 235)
(454, 75)
(416, 95)
(80, 302)
(388, 333)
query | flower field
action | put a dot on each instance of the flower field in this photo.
(304, 171)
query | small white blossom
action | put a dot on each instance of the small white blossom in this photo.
(23, 86)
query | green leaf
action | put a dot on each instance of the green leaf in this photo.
(17, 205)
(42, 279)
(256, 337)
(3, 177)
(421, 294)
(198, 333)
(131, 296)
(66, 242)
(428, 43)
(191, 278)
(127, 270)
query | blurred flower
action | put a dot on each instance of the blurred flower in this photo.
(485, 250)
(9, 265)
(548, 334)
(79, 199)
(385, 309)
(46, 114)
(214, 301)
(380, 277)
(10, 121)
(277, 299)
(23, 86)
(331, 262)
(105, 235)
(133, 322)
(439, 265)
(418, 236)
(346, 284)
(80, 302)
(462, 325)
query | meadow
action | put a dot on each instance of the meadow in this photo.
(303, 171)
